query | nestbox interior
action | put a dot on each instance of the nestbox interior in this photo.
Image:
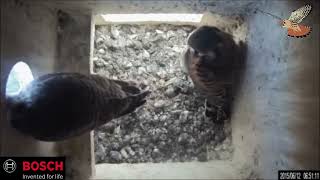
(171, 127)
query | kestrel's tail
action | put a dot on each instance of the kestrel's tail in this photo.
(305, 31)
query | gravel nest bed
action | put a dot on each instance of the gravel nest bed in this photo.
(171, 126)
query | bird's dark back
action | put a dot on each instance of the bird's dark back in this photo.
(62, 105)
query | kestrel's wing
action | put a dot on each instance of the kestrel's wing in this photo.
(298, 15)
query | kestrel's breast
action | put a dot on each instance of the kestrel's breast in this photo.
(204, 79)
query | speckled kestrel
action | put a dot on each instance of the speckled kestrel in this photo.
(209, 62)
(292, 24)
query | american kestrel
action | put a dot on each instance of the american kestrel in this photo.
(58, 106)
(209, 63)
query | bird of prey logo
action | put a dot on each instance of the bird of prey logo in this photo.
(295, 29)
(292, 24)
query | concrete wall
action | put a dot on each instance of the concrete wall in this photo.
(48, 42)
(283, 87)
(27, 34)
(276, 120)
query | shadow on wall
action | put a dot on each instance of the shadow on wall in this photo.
(73, 41)
(240, 70)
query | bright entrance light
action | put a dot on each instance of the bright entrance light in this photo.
(192, 18)
(19, 76)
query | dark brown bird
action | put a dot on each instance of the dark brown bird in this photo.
(209, 62)
(58, 106)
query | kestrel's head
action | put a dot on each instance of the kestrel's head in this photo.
(286, 23)
(206, 42)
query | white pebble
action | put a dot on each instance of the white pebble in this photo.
(101, 51)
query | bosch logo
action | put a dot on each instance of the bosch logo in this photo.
(52, 168)
(9, 166)
(43, 166)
